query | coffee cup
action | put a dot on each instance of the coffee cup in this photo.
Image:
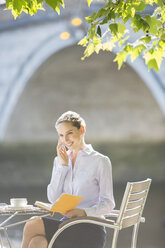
(18, 202)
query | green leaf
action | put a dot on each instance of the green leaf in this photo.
(157, 12)
(89, 2)
(55, 4)
(17, 7)
(114, 28)
(111, 15)
(136, 51)
(89, 50)
(162, 44)
(92, 17)
(151, 2)
(98, 48)
(27, 6)
(101, 12)
(125, 19)
(139, 23)
(92, 31)
(127, 48)
(136, 22)
(98, 31)
(163, 37)
(153, 64)
(153, 58)
(104, 21)
(132, 12)
(121, 28)
(120, 59)
(122, 41)
(153, 44)
(135, 30)
(108, 46)
(163, 14)
(9, 4)
(139, 5)
(18, 4)
(32, 6)
(160, 3)
(83, 42)
(97, 41)
(153, 24)
(146, 39)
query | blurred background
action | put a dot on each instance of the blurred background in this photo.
(42, 76)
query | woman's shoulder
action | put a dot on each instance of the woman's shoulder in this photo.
(99, 156)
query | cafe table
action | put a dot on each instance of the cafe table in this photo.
(10, 212)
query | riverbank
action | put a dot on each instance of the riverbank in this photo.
(31, 163)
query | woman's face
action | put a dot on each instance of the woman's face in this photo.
(70, 136)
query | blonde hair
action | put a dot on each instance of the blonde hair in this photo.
(74, 118)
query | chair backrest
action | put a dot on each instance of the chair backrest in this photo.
(133, 203)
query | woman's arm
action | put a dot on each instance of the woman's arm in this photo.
(55, 188)
(106, 198)
(60, 168)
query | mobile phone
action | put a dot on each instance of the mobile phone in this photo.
(64, 147)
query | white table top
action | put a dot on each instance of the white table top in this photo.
(28, 209)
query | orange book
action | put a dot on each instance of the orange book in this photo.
(62, 205)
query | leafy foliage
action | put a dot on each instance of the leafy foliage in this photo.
(117, 16)
(31, 6)
(108, 27)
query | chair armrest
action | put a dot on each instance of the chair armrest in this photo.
(88, 219)
(114, 213)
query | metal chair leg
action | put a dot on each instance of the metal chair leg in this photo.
(7, 237)
(115, 236)
(134, 235)
(1, 242)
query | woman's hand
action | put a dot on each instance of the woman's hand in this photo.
(62, 154)
(77, 212)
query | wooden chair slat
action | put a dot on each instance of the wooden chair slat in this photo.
(137, 196)
(140, 186)
(134, 204)
(132, 211)
(130, 221)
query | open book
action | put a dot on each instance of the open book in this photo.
(63, 204)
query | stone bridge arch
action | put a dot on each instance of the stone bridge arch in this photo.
(116, 105)
(26, 48)
(28, 53)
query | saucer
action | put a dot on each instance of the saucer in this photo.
(10, 207)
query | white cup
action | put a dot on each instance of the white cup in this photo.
(18, 202)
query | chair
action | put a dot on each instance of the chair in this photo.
(130, 214)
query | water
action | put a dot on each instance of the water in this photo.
(151, 234)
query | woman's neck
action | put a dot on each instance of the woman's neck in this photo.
(74, 152)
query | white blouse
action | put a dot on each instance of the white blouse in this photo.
(91, 178)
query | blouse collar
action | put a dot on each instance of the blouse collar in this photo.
(88, 149)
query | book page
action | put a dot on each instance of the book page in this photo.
(43, 205)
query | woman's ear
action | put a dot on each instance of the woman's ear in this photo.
(82, 129)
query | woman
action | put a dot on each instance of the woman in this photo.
(79, 170)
